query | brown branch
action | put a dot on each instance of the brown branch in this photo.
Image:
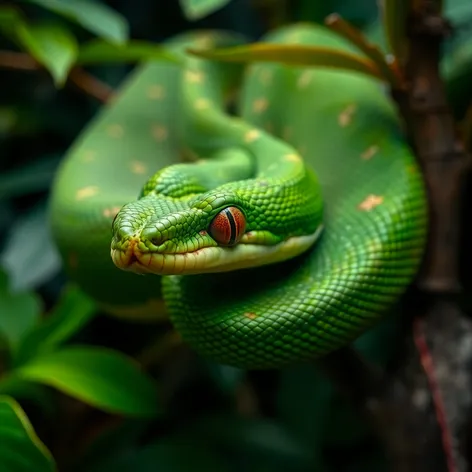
(439, 150)
(80, 78)
(91, 85)
(445, 329)
(422, 411)
(17, 60)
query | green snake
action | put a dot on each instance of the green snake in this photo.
(269, 234)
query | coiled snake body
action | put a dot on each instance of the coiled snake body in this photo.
(299, 224)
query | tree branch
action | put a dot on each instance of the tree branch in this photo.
(79, 77)
(422, 411)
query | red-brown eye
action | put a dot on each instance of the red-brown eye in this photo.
(228, 226)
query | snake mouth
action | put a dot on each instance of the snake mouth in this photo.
(133, 259)
(209, 259)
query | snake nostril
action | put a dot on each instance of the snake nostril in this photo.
(154, 236)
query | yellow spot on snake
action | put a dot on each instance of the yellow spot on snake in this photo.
(265, 76)
(292, 157)
(115, 131)
(294, 38)
(194, 77)
(88, 155)
(345, 117)
(137, 167)
(205, 41)
(202, 104)
(86, 192)
(250, 315)
(370, 202)
(251, 135)
(259, 105)
(305, 79)
(110, 212)
(159, 132)
(369, 153)
(155, 92)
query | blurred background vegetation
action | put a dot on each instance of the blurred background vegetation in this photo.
(204, 416)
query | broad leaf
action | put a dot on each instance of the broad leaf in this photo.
(92, 15)
(101, 52)
(18, 312)
(33, 392)
(28, 178)
(103, 378)
(53, 47)
(294, 55)
(20, 448)
(10, 21)
(30, 260)
(71, 313)
(196, 9)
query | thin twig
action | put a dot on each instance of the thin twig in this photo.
(91, 85)
(18, 61)
(80, 78)
(426, 360)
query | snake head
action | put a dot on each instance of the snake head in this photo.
(213, 232)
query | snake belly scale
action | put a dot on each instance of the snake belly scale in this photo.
(301, 221)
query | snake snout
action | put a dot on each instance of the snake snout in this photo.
(123, 232)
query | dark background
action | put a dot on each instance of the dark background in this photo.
(216, 418)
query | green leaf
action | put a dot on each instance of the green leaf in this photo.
(101, 52)
(53, 47)
(29, 391)
(20, 448)
(10, 20)
(196, 9)
(103, 378)
(30, 260)
(294, 55)
(70, 314)
(94, 16)
(30, 177)
(18, 312)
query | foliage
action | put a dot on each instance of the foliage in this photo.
(80, 391)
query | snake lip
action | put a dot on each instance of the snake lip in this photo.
(131, 258)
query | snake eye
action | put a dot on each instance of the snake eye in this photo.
(228, 226)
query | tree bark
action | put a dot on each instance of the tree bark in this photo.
(422, 412)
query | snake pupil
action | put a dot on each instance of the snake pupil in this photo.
(228, 226)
